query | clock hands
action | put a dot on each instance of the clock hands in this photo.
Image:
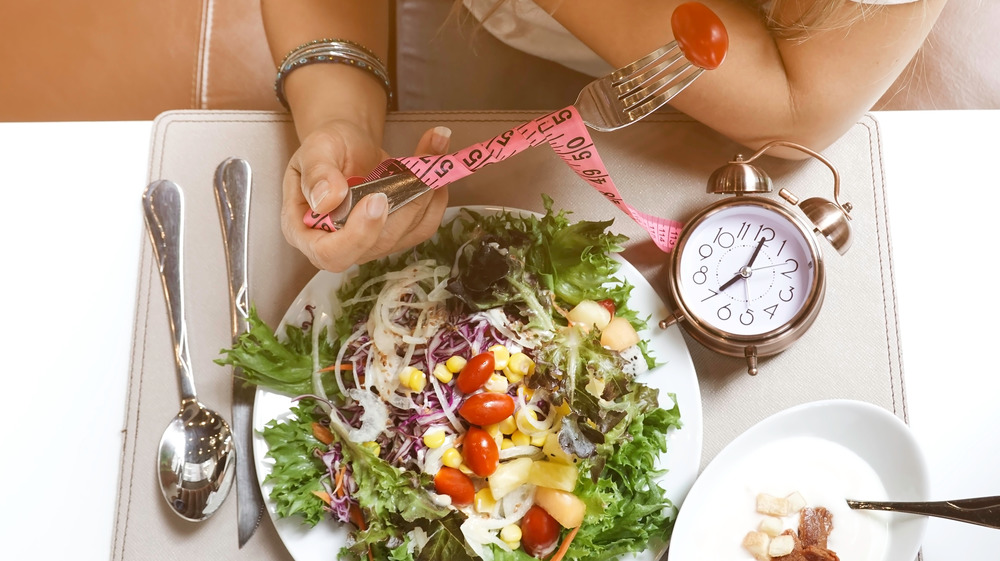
(746, 270)
(756, 252)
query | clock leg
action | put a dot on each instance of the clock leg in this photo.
(751, 355)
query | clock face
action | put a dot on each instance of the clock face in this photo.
(746, 269)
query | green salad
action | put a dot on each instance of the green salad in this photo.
(475, 397)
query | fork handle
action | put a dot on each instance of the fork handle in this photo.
(983, 511)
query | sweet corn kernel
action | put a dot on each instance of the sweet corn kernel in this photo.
(465, 469)
(539, 439)
(442, 373)
(506, 443)
(452, 458)
(512, 377)
(525, 392)
(500, 356)
(434, 438)
(520, 439)
(563, 408)
(508, 425)
(483, 500)
(520, 363)
(513, 545)
(405, 375)
(418, 380)
(496, 383)
(511, 533)
(455, 364)
(372, 447)
(493, 430)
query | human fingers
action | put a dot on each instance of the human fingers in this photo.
(409, 225)
(320, 163)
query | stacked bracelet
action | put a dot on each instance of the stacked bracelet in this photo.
(336, 51)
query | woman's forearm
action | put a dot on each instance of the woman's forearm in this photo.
(324, 92)
(810, 91)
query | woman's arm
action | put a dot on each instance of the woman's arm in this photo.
(809, 91)
(321, 93)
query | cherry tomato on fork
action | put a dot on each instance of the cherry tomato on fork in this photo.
(452, 482)
(475, 372)
(700, 34)
(480, 452)
(539, 532)
(487, 408)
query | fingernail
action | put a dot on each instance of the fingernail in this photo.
(440, 139)
(318, 193)
(377, 204)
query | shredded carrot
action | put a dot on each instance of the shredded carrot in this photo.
(322, 433)
(336, 367)
(339, 481)
(561, 552)
(323, 496)
(359, 520)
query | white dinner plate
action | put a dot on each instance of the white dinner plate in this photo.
(828, 451)
(676, 375)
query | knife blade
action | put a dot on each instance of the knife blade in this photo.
(232, 197)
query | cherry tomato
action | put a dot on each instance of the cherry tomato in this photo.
(480, 452)
(487, 408)
(449, 481)
(475, 372)
(539, 532)
(700, 34)
(609, 305)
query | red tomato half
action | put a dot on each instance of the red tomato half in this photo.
(480, 452)
(539, 532)
(487, 408)
(475, 372)
(700, 34)
(449, 481)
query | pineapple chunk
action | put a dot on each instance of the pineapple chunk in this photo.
(553, 475)
(554, 452)
(509, 476)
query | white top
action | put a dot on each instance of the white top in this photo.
(522, 24)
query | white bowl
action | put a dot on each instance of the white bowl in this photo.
(825, 450)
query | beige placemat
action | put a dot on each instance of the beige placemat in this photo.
(660, 164)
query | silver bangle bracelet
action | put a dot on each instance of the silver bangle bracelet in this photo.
(338, 51)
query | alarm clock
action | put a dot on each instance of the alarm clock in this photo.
(747, 275)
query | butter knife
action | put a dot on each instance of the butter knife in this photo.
(232, 196)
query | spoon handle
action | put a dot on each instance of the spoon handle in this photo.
(984, 511)
(163, 206)
(232, 195)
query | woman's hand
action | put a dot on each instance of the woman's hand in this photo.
(316, 178)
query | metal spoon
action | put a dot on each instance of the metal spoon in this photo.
(984, 511)
(196, 454)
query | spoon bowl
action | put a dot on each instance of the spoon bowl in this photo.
(196, 462)
(196, 455)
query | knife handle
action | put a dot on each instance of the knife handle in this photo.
(232, 195)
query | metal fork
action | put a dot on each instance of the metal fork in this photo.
(606, 104)
(636, 90)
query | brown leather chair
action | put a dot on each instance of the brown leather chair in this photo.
(128, 60)
(131, 60)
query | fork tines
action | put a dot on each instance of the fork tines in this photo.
(648, 83)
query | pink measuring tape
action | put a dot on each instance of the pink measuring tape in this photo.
(704, 41)
(565, 132)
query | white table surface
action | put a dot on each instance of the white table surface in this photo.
(71, 227)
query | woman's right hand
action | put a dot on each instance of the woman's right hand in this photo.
(316, 179)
